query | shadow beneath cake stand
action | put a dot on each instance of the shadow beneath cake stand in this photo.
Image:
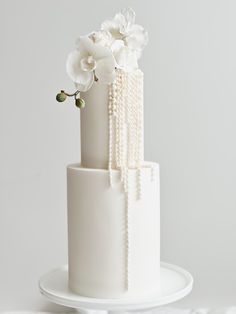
(176, 283)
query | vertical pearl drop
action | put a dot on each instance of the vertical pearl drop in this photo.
(125, 114)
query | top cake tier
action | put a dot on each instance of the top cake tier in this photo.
(112, 123)
(104, 69)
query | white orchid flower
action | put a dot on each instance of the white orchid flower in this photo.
(123, 29)
(102, 37)
(90, 60)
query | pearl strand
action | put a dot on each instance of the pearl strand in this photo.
(139, 86)
(125, 135)
(127, 212)
(110, 132)
(116, 104)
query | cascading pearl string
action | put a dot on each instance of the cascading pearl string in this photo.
(125, 138)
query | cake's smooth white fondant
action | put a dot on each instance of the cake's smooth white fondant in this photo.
(102, 254)
(94, 127)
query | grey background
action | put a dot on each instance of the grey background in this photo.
(190, 125)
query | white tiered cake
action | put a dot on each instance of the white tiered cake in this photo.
(113, 195)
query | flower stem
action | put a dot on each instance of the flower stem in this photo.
(70, 95)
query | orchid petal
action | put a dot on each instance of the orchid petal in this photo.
(126, 58)
(96, 50)
(113, 27)
(88, 64)
(82, 79)
(137, 38)
(105, 70)
(129, 16)
(73, 64)
(102, 37)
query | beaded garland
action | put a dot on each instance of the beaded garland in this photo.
(125, 109)
(125, 123)
(125, 114)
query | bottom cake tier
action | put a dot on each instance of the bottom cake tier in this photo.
(113, 235)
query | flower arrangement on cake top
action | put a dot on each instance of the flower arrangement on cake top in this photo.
(117, 45)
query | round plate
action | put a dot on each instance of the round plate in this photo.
(176, 283)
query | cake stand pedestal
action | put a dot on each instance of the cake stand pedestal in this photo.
(176, 283)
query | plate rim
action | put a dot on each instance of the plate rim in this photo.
(127, 303)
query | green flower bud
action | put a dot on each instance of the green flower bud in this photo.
(61, 97)
(80, 103)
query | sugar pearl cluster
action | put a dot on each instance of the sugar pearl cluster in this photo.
(125, 110)
(125, 124)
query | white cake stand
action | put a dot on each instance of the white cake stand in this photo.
(176, 283)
